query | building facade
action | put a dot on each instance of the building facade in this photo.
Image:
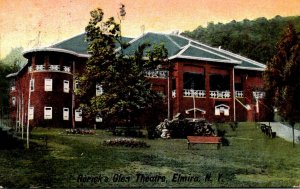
(205, 82)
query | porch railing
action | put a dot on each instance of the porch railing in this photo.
(259, 94)
(219, 94)
(216, 94)
(56, 68)
(196, 93)
(157, 74)
(239, 94)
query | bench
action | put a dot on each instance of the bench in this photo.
(203, 140)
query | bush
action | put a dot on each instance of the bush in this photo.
(126, 142)
(181, 128)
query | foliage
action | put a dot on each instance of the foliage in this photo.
(181, 128)
(10, 64)
(282, 76)
(127, 93)
(255, 39)
(15, 58)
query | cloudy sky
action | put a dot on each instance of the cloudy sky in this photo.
(35, 23)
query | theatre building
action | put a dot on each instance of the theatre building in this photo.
(205, 82)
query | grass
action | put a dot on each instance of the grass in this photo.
(251, 160)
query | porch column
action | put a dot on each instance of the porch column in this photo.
(169, 93)
(33, 61)
(46, 61)
(179, 87)
(208, 107)
(207, 82)
(232, 94)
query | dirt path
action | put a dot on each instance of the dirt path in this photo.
(284, 131)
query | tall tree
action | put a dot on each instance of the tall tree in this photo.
(126, 91)
(282, 77)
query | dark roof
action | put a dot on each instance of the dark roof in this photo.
(78, 44)
(182, 47)
(177, 45)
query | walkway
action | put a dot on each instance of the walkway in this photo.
(284, 131)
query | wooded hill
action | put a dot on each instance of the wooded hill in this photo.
(255, 39)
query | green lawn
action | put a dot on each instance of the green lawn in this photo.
(251, 160)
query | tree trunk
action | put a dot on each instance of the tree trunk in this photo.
(292, 123)
(293, 127)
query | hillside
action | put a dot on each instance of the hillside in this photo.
(255, 39)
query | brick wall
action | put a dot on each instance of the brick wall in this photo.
(57, 99)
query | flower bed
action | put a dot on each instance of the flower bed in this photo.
(80, 131)
(127, 142)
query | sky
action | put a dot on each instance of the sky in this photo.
(38, 23)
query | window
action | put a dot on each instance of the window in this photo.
(99, 90)
(76, 84)
(13, 101)
(13, 85)
(98, 119)
(219, 82)
(31, 113)
(78, 115)
(222, 109)
(66, 86)
(48, 113)
(31, 84)
(193, 81)
(65, 113)
(48, 84)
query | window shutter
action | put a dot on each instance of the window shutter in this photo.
(98, 119)
(48, 113)
(13, 101)
(99, 90)
(66, 86)
(65, 113)
(31, 113)
(31, 83)
(48, 84)
(78, 115)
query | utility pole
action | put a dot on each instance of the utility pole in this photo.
(194, 100)
(73, 96)
(29, 97)
(233, 95)
(169, 105)
(22, 114)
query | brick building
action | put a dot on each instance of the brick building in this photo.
(205, 82)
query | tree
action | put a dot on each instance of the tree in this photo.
(282, 77)
(255, 39)
(15, 58)
(126, 91)
(11, 63)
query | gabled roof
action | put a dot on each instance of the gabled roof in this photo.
(198, 53)
(179, 46)
(153, 38)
